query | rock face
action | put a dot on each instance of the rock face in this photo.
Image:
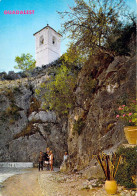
(25, 129)
(100, 130)
(43, 116)
(90, 128)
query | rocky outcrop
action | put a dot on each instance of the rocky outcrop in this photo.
(25, 128)
(115, 81)
(43, 116)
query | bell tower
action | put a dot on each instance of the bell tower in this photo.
(47, 46)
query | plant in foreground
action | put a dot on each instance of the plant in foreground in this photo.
(128, 113)
(109, 164)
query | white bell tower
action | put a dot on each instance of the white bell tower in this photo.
(47, 46)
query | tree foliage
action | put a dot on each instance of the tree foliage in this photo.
(59, 95)
(90, 23)
(119, 40)
(126, 175)
(25, 63)
(73, 58)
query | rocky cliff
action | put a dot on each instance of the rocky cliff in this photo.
(93, 127)
(25, 128)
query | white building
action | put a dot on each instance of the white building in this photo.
(47, 46)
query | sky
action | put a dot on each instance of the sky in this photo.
(16, 31)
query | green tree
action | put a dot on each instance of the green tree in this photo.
(90, 23)
(25, 63)
(73, 58)
(122, 38)
(59, 95)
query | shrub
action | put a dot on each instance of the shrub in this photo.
(78, 126)
(128, 113)
(127, 170)
(29, 130)
(17, 89)
(89, 86)
(9, 93)
(34, 106)
(12, 112)
(12, 121)
(121, 45)
(60, 91)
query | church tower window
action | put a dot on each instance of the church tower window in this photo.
(53, 40)
(41, 40)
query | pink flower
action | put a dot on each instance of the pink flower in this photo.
(120, 108)
(123, 105)
(124, 115)
(117, 116)
(130, 120)
(130, 114)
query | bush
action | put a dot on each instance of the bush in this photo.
(121, 44)
(11, 113)
(60, 91)
(127, 170)
(34, 106)
(89, 86)
(78, 126)
(29, 130)
(9, 93)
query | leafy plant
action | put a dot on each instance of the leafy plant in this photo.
(90, 23)
(89, 86)
(119, 40)
(25, 63)
(59, 95)
(34, 106)
(109, 164)
(73, 59)
(29, 130)
(12, 112)
(78, 126)
(9, 93)
(128, 113)
(127, 169)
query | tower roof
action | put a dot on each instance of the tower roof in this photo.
(46, 27)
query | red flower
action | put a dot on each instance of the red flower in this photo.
(130, 114)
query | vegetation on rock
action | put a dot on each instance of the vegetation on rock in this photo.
(25, 63)
(59, 95)
(78, 126)
(126, 173)
(29, 130)
(121, 37)
(34, 105)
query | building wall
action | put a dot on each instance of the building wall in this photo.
(49, 50)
